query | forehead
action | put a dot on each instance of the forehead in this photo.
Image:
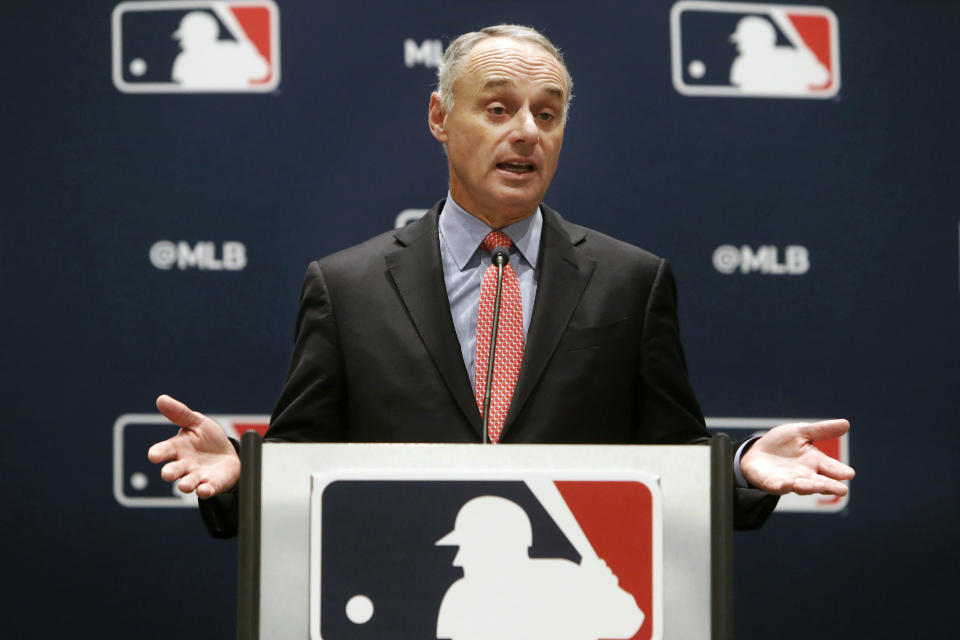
(497, 61)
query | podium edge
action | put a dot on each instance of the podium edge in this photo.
(721, 548)
(248, 542)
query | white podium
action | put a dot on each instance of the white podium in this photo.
(354, 541)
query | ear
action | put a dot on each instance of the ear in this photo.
(437, 117)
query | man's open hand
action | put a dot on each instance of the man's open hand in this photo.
(784, 460)
(200, 455)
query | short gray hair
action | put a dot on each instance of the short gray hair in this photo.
(449, 71)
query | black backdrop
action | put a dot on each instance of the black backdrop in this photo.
(92, 330)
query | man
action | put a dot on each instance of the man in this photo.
(388, 343)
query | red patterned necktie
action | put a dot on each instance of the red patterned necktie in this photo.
(509, 350)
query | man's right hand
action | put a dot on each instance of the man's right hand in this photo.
(200, 456)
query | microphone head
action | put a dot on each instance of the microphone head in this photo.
(500, 255)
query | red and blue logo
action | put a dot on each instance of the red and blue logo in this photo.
(837, 448)
(137, 481)
(737, 49)
(459, 559)
(189, 46)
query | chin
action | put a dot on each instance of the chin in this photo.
(520, 199)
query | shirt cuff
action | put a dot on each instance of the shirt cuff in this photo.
(740, 481)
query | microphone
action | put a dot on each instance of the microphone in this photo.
(499, 257)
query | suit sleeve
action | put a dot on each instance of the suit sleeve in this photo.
(668, 407)
(667, 402)
(311, 407)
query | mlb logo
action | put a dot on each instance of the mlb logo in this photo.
(174, 46)
(837, 448)
(137, 481)
(460, 559)
(738, 49)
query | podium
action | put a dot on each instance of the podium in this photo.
(342, 541)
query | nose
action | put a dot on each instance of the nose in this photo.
(526, 131)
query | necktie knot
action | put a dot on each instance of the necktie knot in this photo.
(496, 239)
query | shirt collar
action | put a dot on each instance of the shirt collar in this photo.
(464, 233)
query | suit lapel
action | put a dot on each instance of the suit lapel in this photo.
(562, 278)
(417, 271)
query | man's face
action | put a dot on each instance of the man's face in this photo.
(505, 130)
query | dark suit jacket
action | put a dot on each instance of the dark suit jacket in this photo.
(377, 358)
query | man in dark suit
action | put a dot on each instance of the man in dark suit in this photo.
(377, 355)
(388, 344)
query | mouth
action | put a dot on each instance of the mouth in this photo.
(518, 168)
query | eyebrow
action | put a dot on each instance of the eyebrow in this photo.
(496, 83)
(554, 91)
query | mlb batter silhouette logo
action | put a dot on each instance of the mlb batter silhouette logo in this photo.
(762, 66)
(522, 597)
(207, 62)
(196, 46)
(475, 560)
(754, 50)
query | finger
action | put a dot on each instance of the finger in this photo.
(188, 483)
(213, 481)
(178, 413)
(208, 486)
(835, 469)
(819, 484)
(161, 452)
(824, 430)
(173, 470)
(205, 491)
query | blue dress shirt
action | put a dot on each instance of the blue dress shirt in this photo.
(465, 260)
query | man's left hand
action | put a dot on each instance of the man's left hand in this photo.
(784, 460)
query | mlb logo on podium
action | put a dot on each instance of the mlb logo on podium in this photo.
(196, 46)
(735, 49)
(538, 558)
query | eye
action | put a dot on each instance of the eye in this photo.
(546, 116)
(497, 110)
